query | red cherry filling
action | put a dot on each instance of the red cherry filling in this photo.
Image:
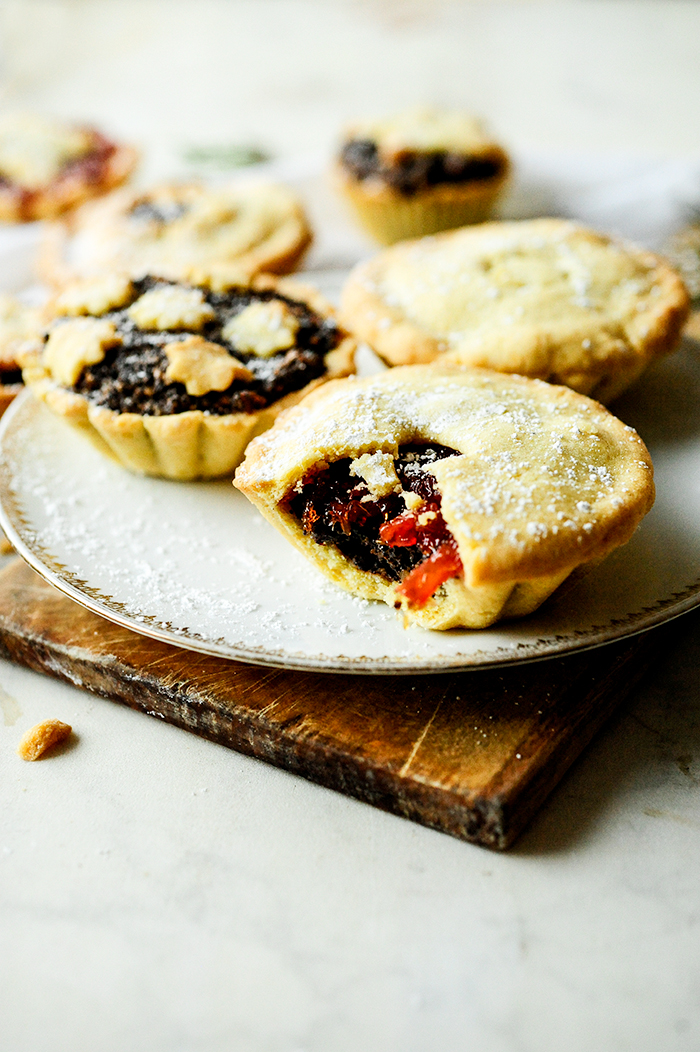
(380, 535)
(400, 532)
(427, 529)
(424, 581)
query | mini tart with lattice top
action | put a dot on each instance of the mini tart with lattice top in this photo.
(460, 496)
(545, 298)
(185, 232)
(48, 167)
(420, 171)
(174, 379)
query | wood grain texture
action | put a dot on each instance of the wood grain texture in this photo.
(472, 754)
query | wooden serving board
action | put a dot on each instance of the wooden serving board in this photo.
(472, 754)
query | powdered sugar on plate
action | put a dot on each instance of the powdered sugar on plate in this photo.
(195, 565)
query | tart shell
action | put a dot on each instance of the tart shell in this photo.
(189, 445)
(390, 216)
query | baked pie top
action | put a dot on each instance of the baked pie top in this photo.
(156, 347)
(544, 297)
(47, 165)
(183, 232)
(532, 479)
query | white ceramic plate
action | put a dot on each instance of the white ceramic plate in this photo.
(195, 565)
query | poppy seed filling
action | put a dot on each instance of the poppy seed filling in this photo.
(158, 211)
(412, 171)
(131, 378)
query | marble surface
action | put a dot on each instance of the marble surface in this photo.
(159, 893)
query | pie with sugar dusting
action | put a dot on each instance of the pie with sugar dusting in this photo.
(545, 298)
(460, 496)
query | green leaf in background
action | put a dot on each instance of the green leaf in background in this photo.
(225, 156)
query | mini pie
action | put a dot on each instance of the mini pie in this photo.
(186, 232)
(47, 167)
(19, 324)
(174, 379)
(544, 297)
(460, 496)
(420, 171)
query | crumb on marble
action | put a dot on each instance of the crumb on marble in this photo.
(42, 737)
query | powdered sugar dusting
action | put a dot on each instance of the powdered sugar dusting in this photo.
(459, 287)
(537, 463)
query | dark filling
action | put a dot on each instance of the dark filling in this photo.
(131, 377)
(331, 508)
(91, 166)
(10, 375)
(411, 171)
(162, 212)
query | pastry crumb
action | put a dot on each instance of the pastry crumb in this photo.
(378, 471)
(42, 737)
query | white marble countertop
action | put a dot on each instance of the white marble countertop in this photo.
(159, 893)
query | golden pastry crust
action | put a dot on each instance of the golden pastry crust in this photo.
(545, 298)
(186, 232)
(48, 167)
(178, 443)
(19, 325)
(544, 480)
(387, 211)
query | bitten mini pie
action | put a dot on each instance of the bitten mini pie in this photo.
(460, 496)
(420, 171)
(47, 167)
(186, 232)
(174, 379)
(544, 297)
